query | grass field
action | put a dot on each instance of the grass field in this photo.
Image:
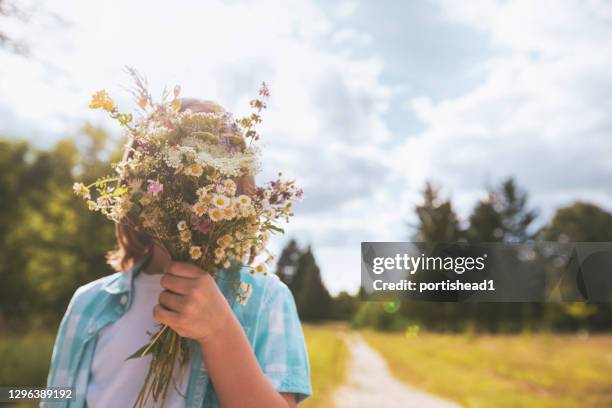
(503, 371)
(476, 371)
(25, 360)
(328, 355)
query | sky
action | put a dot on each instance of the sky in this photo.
(369, 99)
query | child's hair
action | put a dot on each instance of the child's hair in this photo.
(133, 245)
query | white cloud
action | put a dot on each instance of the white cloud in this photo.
(541, 111)
(324, 123)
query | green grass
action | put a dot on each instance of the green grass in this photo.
(503, 371)
(327, 353)
(25, 360)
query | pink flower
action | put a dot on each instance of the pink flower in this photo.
(201, 226)
(264, 90)
(155, 187)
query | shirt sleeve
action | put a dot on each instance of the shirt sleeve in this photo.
(58, 369)
(61, 350)
(279, 344)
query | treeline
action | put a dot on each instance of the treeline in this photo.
(50, 244)
(503, 215)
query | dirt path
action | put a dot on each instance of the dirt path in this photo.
(370, 384)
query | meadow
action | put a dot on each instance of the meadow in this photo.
(529, 370)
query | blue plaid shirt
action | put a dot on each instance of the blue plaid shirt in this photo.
(269, 320)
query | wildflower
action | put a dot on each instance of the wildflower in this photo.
(261, 268)
(229, 213)
(81, 191)
(264, 91)
(199, 208)
(221, 201)
(155, 187)
(219, 253)
(173, 157)
(176, 105)
(243, 200)
(246, 290)
(230, 187)
(182, 225)
(101, 100)
(92, 205)
(215, 214)
(202, 192)
(195, 252)
(185, 235)
(202, 226)
(194, 170)
(134, 185)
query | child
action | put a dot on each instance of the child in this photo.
(241, 355)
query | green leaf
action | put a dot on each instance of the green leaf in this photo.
(275, 228)
(120, 191)
(141, 352)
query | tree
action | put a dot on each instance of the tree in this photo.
(49, 242)
(502, 216)
(313, 300)
(485, 223)
(437, 221)
(579, 222)
(287, 265)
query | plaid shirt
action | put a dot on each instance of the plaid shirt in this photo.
(269, 320)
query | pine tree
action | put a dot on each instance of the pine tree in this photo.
(437, 221)
(502, 216)
(312, 298)
(287, 265)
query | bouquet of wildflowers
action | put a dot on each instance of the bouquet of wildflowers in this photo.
(178, 183)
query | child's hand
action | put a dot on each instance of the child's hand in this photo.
(192, 304)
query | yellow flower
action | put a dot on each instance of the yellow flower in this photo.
(101, 100)
(230, 187)
(219, 253)
(229, 213)
(195, 252)
(199, 208)
(185, 236)
(221, 201)
(261, 268)
(215, 214)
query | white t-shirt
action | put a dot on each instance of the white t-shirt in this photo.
(115, 381)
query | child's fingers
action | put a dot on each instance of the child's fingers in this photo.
(184, 269)
(176, 284)
(171, 301)
(165, 316)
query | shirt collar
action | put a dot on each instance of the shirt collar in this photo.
(122, 283)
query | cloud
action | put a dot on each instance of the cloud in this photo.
(541, 111)
(324, 125)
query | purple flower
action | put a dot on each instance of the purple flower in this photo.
(155, 187)
(201, 226)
